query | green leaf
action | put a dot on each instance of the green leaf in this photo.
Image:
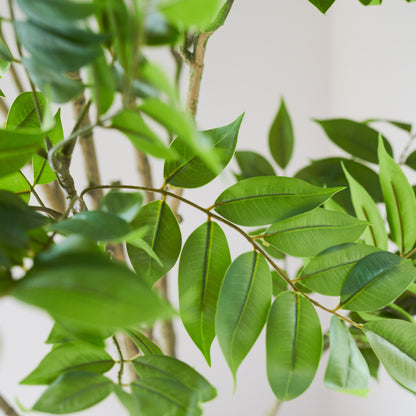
(73, 392)
(163, 235)
(366, 210)
(164, 396)
(322, 5)
(400, 201)
(125, 205)
(22, 113)
(80, 285)
(265, 200)
(372, 361)
(253, 164)
(279, 284)
(62, 53)
(162, 366)
(411, 160)
(243, 305)
(399, 124)
(64, 358)
(204, 260)
(95, 225)
(103, 84)
(281, 138)
(347, 370)
(328, 172)
(191, 171)
(62, 88)
(312, 232)
(16, 183)
(375, 281)
(158, 30)
(131, 124)
(293, 345)
(358, 139)
(371, 2)
(326, 273)
(190, 13)
(142, 343)
(394, 342)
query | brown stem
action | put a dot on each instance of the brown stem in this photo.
(4, 108)
(145, 173)
(87, 145)
(6, 408)
(54, 196)
(16, 79)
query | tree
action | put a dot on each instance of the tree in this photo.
(80, 279)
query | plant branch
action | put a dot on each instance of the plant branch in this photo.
(274, 409)
(54, 214)
(234, 227)
(4, 108)
(6, 408)
(120, 354)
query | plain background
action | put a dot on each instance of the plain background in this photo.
(356, 62)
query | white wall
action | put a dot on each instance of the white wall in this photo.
(356, 62)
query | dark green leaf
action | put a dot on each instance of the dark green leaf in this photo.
(328, 172)
(399, 124)
(191, 171)
(243, 305)
(162, 234)
(161, 366)
(64, 358)
(394, 342)
(375, 281)
(95, 225)
(326, 273)
(265, 200)
(80, 285)
(366, 210)
(142, 343)
(158, 30)
(74, 391)
(355, 138)
(400, 202)
(371, 2)
(372, 361)
(312, 232)
(411, 160)
(293, 345)
(204, 260)
(281, 138)
(125, 205)
(347, 370)
(253, 164)
(322, 5)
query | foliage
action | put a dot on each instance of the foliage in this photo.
(69, 260)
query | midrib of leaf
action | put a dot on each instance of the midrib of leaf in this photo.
(399, 217)
(155, 233)
(85, 389)
(25, 119)
(247, 296)
(370, 227)
(207, 262)
(143, 344)
(367, 285)
(310, 227)
(338, 266)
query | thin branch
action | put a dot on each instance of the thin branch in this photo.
(234, 227)
(120, 354)
(6, 408)
(4, 108)
(275, 408)
(54, 214)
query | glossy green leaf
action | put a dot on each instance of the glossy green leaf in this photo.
(64, 358)
(62, 333)
(326, 273)
(6, 58)
(16, 183)
(366, 210)
(347, 370)
(103, 84)
(243, 305)
(128, 400)
(204, 260)
(355, 138)
(375, 281)
(164, 396)
(134, 127)
(73, 392)
(58, 52)
(293, 345)
(190, 13)
(312, 232)
(373, 363)
(253, 164)
(399, 124)
(61, 87)
(322, 5)
(163, 235)
(144, 344)
(278, 283)
(400, 202)
(79, 284)
(265, 200)
(328, 172)
(125, 205)
(281, 138)
(162, 366)
(190, 170)
(22, 113)
(394, 342)
(95, 225)
(371, 2)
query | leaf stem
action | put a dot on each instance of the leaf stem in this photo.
(122, 361)
(234, 227)
(402, 312)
